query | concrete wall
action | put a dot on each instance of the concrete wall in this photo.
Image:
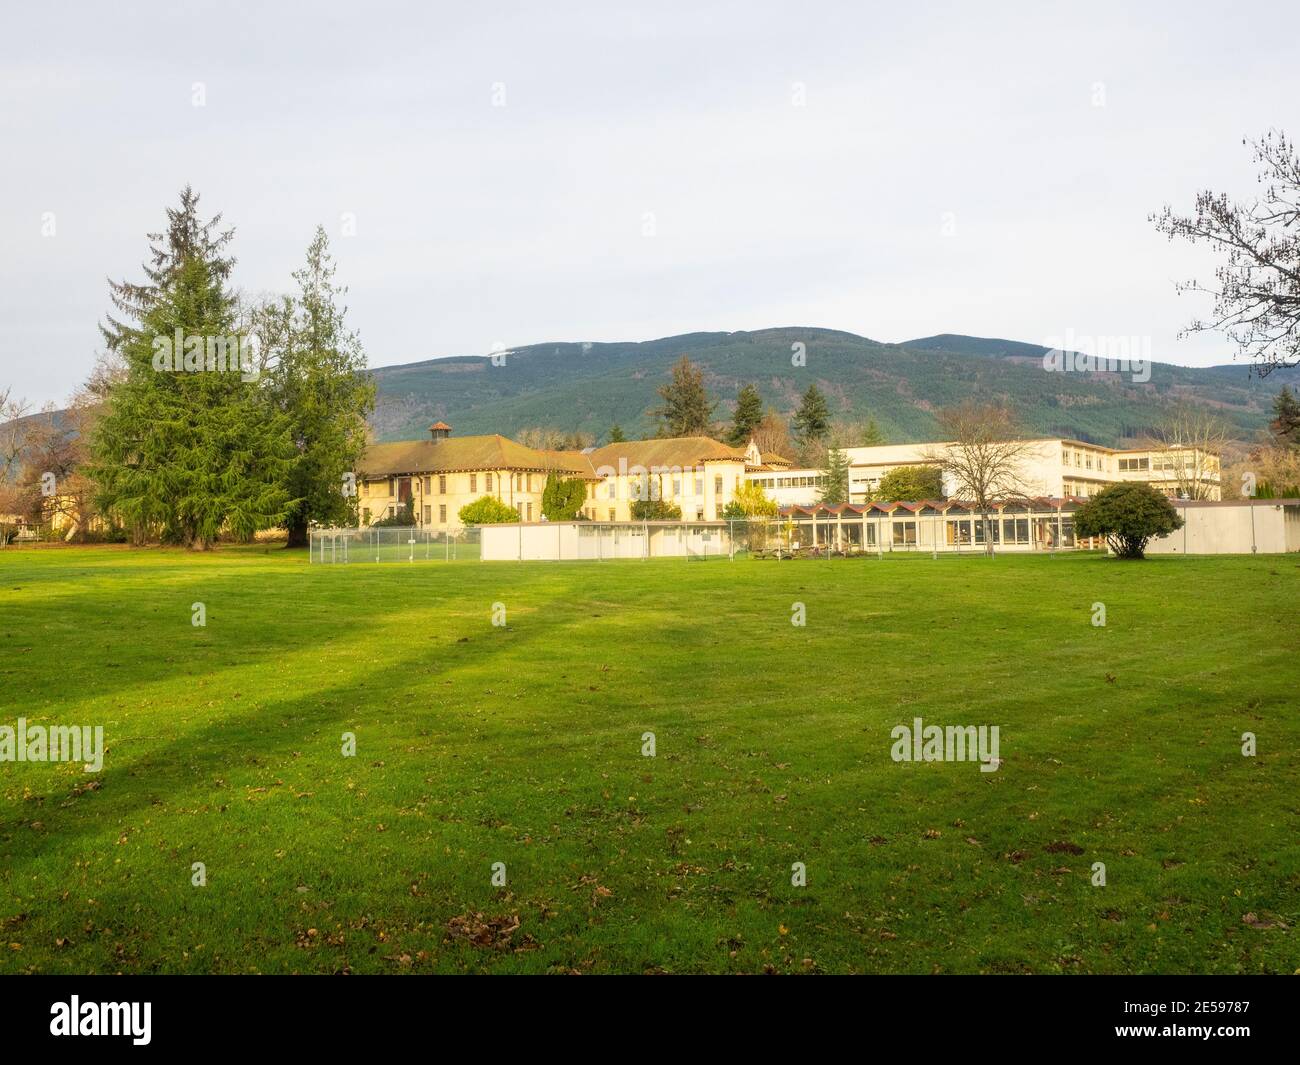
(1225, 529)
(592, 541)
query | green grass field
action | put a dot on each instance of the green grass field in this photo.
(523, 745)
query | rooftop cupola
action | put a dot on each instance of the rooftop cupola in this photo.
(439, 431)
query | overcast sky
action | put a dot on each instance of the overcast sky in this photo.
(895, 170)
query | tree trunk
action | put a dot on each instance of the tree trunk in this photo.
(297, 527)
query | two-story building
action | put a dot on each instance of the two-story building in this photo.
(1048, 467)
(440, 475)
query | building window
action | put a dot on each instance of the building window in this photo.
(487, 481)
(392, 510)
(699, 486)
(442, 514)
(611, 492)
(365, 516)
(473, 482)
(677, 487)
(530, 512)
(428, 486)
(611, 513)
(717, 486)
(530, 482)
(428, 514)
(904, 534)
(442, 485)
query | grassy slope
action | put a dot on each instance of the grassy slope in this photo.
(522, 745)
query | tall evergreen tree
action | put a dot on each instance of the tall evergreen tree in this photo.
(812, 421)
(836, 488)
(687, 409)
(318, 380)
(186, 237)
(748, 415)
(1286, 417)
(616, 434)
(187, 450)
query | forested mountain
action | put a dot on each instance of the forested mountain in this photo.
(591, 386)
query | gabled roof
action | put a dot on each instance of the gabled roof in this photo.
(672, 451)
(467, 453)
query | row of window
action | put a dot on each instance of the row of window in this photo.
(790, 482)
(1086, 460)
(966, 531)
(401, 486)
(646, 489)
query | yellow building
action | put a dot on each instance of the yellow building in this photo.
(696, 473)
(440, 475)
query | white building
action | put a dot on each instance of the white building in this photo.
(1051, 467)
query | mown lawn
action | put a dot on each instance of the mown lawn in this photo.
(522, 745)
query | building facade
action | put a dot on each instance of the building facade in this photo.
(1049, 467)
(440, 475)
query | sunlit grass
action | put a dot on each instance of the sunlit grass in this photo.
(522, 745)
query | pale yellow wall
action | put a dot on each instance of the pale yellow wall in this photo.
(676, 486)
(513, 488)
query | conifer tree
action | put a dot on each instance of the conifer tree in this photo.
(1286, 417)
(812, 421)
(187, 449)
(186, 237)
(748, 416)
(687, 409)
(317, 379)
(836, 488)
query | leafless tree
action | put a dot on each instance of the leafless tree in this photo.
(548, 438)
(1256, 286)
(773, 436)
(1187, 447)
(983, 456)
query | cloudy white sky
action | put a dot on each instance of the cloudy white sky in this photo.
(895, 170)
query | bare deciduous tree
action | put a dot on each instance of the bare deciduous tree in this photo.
(1187, 448)
(772, 437)
(1256, 286)
(548, 438)
(983, 457)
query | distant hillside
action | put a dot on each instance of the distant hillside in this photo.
(592, 386)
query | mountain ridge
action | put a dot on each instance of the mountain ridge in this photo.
(592, 385)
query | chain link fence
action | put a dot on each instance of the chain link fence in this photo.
(393, 544)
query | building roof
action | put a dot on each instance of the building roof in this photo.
(680, 451)
(467, 453)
